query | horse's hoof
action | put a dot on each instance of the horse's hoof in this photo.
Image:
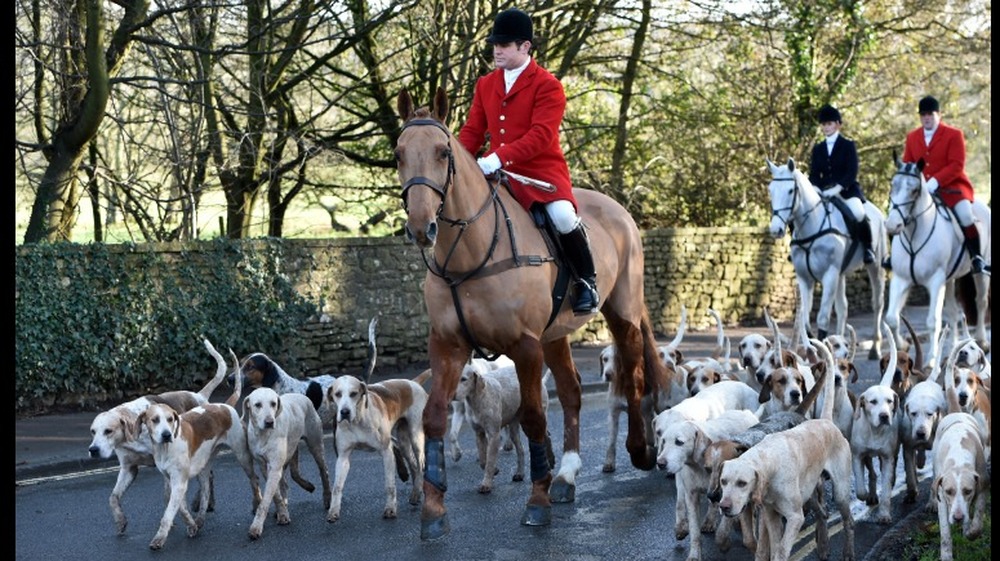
(873, 354)
(562, 491)
(644, 458)
(434, 529)
(535, 515)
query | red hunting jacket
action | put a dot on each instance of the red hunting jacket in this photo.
(523, 129)
(944, 159)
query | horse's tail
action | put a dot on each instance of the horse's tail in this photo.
(656, 375)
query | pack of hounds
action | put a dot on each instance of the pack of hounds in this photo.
(749, 442)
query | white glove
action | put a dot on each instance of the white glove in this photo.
(932, 185)
(490, 164)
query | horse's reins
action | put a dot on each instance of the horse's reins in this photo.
(908, 219)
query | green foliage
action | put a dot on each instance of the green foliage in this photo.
(84, 335)
(926, 541)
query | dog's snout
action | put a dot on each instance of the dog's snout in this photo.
(345, 414)
(94, 452)
(269, 423)
(165, 437)
(714, 495)
(883, 419)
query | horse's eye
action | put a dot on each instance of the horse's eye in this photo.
(399, 156)
(445, 153)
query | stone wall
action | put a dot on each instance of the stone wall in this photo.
(735, 271)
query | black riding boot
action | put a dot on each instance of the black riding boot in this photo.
(576, 249)
(972, 246)
(864, 234)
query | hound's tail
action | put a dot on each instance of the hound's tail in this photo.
(220, 371)
(372, 351)
(237, 381)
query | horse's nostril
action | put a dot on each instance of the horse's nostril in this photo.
(432, 230)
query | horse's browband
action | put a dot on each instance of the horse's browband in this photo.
(424, 122)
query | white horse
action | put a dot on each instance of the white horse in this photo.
(823, 251)
(928, 249)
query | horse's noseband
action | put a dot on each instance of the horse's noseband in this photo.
(441, 190)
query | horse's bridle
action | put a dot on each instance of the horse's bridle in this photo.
(790, 208)
(441, 190)
(896, 207)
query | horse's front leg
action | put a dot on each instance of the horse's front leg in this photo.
(806, 287)
(567, 379)
(876, 281)
(935, 310)
(527, 356)
(899, 291)
(830, 280)
(447, 360)
(840, 304)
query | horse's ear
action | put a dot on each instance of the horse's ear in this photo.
(920, 164)
(441, 104)
(404, 105)
(896, 160)
(771, 166)
(791, 164)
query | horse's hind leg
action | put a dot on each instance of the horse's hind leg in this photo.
(527, 356)
(447, 359)
(982, 304)
(567, 380)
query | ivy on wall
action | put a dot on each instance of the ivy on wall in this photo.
(86, 334)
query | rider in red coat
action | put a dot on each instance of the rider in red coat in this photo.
(518, 108)
(942, 148)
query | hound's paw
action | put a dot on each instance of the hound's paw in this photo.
(680, 533)
(884, 519)
(608, 468)
(255, 532)
(157, 543)
(121, 527)
(872, 500)
(333, 517)
(193, 530)
(389, 513)
(485, 489)
(517, 477)
(910, 497)
(284, 519)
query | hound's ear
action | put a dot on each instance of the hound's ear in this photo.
(176, 423)
(277, 410)
(760, 490)
(701, 442)
(717, 376)
(859, 408)
(854, 372)
(765, 391)
(741, 448)
(895, 402)
(132, 427)
(245, 416)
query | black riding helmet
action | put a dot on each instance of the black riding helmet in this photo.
(828, 113)
(509, 26)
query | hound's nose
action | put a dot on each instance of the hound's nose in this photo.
(165, 436)
(269, 423)
(94, 452)
(345, 414)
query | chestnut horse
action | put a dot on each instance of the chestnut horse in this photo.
(489, 285)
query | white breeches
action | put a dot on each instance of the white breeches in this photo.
(563, 216)
(963, 210)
